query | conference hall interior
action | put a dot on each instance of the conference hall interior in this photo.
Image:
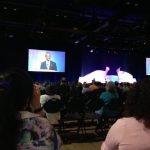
(76, 51)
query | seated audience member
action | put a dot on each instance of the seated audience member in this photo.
(85, 88)
(53, 117)
(107, 96)
(93, 86)
(64, 90)
(133, 131)
(20, 126)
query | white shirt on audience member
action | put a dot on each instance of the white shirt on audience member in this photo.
(52, 117)
(44, 98)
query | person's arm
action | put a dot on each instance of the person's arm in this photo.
(35, 103)
(39, 134)
(114, 136)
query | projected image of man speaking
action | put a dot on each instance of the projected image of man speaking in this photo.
(48, 64)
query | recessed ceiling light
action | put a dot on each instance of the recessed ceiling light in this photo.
(75, 28)
(128, 3)
(91, 51)
(11, 36)
(136, 4)
(88, 45)
(5, 8)
(77, 41)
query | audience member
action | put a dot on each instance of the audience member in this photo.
(133, 131)
(107, 96)
(20, 127)
(64, 90)
(51, 95)
(93, 86)
(85, 88)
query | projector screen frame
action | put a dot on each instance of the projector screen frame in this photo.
(37, 56)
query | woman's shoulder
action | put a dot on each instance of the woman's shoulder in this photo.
(35, 119)
(56, 96)
(44, 96)
(128, 122)
(125, 119)
(43, 134)
(26, 115)
(104, 93)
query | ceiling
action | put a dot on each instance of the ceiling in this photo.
(117, 25)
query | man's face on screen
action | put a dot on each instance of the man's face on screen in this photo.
(47, 56)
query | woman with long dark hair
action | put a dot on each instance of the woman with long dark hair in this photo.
(133, 131)
(20, 127)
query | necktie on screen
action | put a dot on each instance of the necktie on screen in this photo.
(47, 65)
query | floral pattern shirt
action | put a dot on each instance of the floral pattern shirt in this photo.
(36, 133)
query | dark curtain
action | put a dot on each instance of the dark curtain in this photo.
(132, 63)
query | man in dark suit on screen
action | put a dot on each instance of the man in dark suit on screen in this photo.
(48, 64)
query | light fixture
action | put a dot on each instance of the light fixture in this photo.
(75, 28)
(136, 4)
(77, 41)
(88, 45)
(91, 51)
(5, 8)
(10, 35)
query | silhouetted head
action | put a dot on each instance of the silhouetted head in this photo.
(111, 87)
(16, 91)
(138, 102)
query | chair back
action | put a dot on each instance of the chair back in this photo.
(53, 105)
(114, 104)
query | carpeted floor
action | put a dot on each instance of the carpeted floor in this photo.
(73, 137)
(82, 146)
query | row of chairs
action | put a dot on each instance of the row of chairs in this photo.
(80, 110)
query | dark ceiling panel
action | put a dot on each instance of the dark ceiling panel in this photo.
(100, 23)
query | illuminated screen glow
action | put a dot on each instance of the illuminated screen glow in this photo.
(147, 66)
(37, 57)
